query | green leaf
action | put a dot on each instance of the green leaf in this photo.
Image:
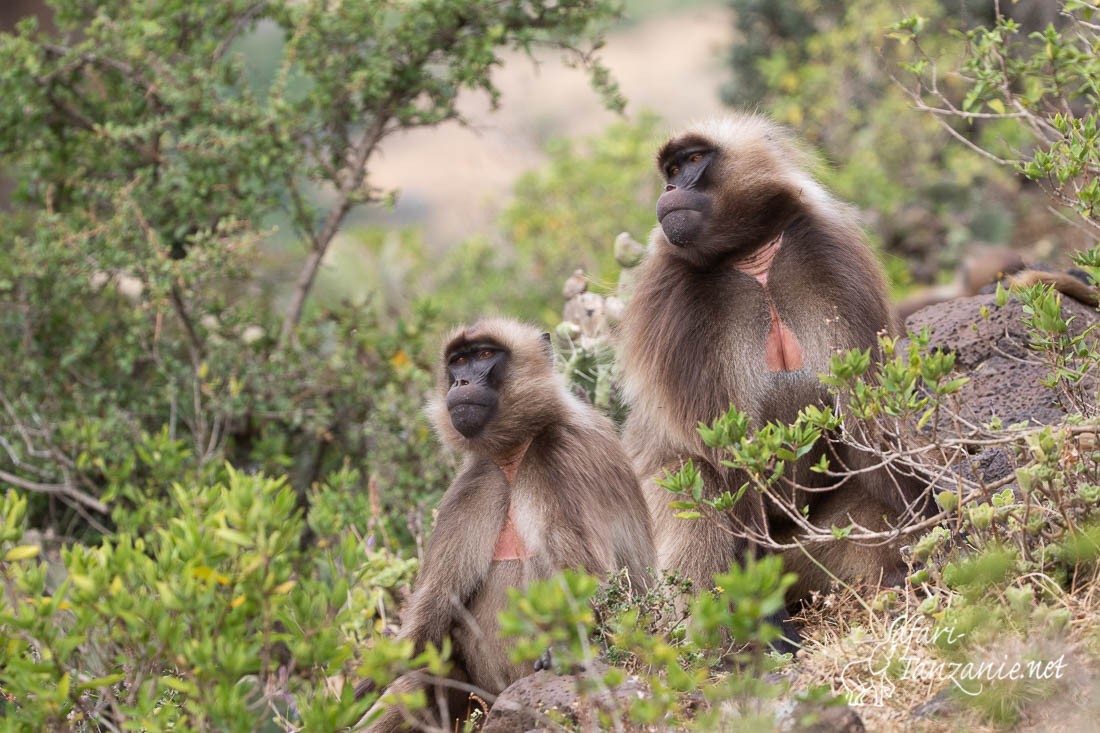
(180, 685)
(105, 681)
(22, 552)
(234, 536)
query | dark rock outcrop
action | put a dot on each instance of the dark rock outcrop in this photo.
(1005, 374)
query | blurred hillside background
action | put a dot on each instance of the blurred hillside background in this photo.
(826, 69)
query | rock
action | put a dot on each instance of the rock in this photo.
(988, 466)
(993, 352)
(833, 719)
(943, 706)
(529, 703)
(812, 717)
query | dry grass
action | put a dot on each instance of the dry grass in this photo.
(886, 659)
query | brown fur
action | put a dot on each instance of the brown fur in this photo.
(574, 498)
(983, 266)
(1063, 282)
(693, 344)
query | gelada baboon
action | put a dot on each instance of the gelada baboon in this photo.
(986, 265)
(754, 278)
(1074, 283)
(545, 486)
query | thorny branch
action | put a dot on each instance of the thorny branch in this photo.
(319, 243)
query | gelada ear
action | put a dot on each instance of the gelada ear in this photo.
(547, 346)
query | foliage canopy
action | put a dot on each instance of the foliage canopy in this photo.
(156, 159)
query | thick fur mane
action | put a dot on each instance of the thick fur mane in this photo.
(678, 342)
(762, 278)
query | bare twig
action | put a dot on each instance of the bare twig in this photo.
(65, 490)
(195, 345)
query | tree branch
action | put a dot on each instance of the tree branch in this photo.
(65, 490)
(357, 171)
(238, 28)
(193, 340)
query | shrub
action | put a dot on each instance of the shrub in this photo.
(219, 619)
(1037, 89)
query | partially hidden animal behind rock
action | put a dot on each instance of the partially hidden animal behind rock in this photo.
(755, 277)
(985, 265)
(545, 485)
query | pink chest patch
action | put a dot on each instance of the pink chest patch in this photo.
(509, 545)
(782, 352)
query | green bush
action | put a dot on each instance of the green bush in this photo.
(675, 654)
(217, 619)
(1040, 86)
(1007, 569)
